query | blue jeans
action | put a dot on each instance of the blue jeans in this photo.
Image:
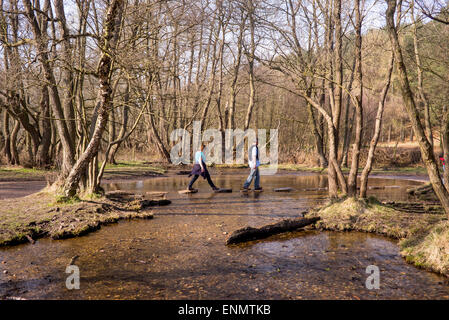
(253, 174)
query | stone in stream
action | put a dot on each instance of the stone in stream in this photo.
(156, 194)
(223, 190)
(376, 187)
(314, 189)
(286, 189)
(152, 203)
(249, 189)
(187, 191)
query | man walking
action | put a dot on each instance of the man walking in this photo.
(253, 161)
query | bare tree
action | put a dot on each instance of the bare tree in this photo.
(105, 104)
(409, 102)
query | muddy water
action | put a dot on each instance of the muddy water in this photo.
(180, 254)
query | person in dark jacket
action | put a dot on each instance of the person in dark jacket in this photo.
(200, 169)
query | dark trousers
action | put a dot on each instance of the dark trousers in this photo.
(207, 176)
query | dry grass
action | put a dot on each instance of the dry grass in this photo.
(424, 237)
(429, 250)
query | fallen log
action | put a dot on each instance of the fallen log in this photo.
(426, 188)
(249, 233)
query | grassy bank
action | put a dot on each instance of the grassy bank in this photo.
(130, 170)
(423, 238)
(133, 169)
(121, 170)
(416, 170)
(18, 173)
(42, 215)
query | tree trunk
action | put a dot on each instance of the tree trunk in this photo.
(104, 70)
(377, 128)
(445, 143)
(14, 153)
(352, 178)
(41, 46)
(7, 135)
(319, 147)
(422, 94)
(250, 56)
(67, 76)
(409, 102)
(42, 156)
(348, 121)
(123, 126)
(233, 87)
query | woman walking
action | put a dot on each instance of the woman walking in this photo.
(199, 169)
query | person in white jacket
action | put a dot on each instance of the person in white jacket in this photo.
(254, 163)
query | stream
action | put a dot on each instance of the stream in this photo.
(181, 253)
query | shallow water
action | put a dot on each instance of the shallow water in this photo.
(180, 254)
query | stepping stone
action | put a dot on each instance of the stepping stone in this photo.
(152, 203)
(249, 189)
(287, 189)
(156, 193)
(314, 189)
(187, 191)
(223, 190)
